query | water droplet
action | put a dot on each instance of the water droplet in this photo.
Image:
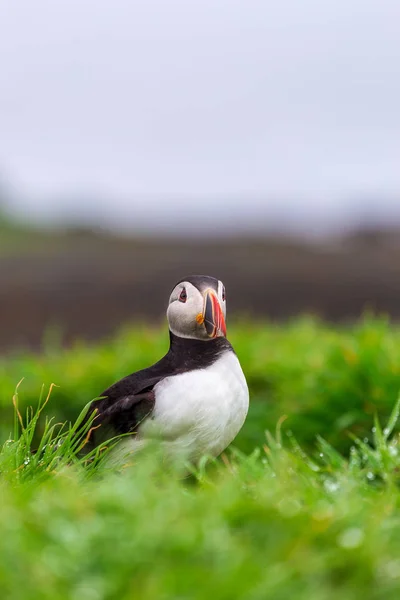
(289, 507)
(351, 538)
(331, 486)
(386, 431)
(393, 451)
(373, 429)
(366, 440)
(392, 568)
(321, 454)
(370, 476)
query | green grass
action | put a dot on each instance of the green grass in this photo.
(326, 380)
(310, 510)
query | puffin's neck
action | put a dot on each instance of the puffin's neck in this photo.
(192, 349)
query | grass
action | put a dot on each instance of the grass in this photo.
(327, 380)
(305, 504)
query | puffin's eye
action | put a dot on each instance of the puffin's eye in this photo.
(183, 295)
(223, 294)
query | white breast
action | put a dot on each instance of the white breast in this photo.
(199, 412)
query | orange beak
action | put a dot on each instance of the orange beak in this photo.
(214, 319)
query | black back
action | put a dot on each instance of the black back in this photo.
(127, 403)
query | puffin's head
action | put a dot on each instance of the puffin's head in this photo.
(197, 308)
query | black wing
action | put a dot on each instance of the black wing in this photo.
(123, 406)
(123, 416)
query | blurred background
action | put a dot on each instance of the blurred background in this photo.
(143, 141)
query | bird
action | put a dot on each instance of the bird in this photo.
(195, 399)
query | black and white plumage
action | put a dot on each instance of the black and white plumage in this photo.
(195, 399)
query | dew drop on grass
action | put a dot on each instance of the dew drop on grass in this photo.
(351, 538)
(331, 486)
(386, 431)
(366, 440)
(393, 451)
(321, 454)
(370, 476)
(373, 430)
(289, 507)
(91, 590)
(392, 568)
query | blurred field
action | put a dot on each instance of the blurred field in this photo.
(271, 519)
(88, 283)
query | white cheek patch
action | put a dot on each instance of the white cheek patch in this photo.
(182, 316)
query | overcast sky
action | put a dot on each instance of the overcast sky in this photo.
(157, 110)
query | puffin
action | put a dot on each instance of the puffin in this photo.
(195, 399)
